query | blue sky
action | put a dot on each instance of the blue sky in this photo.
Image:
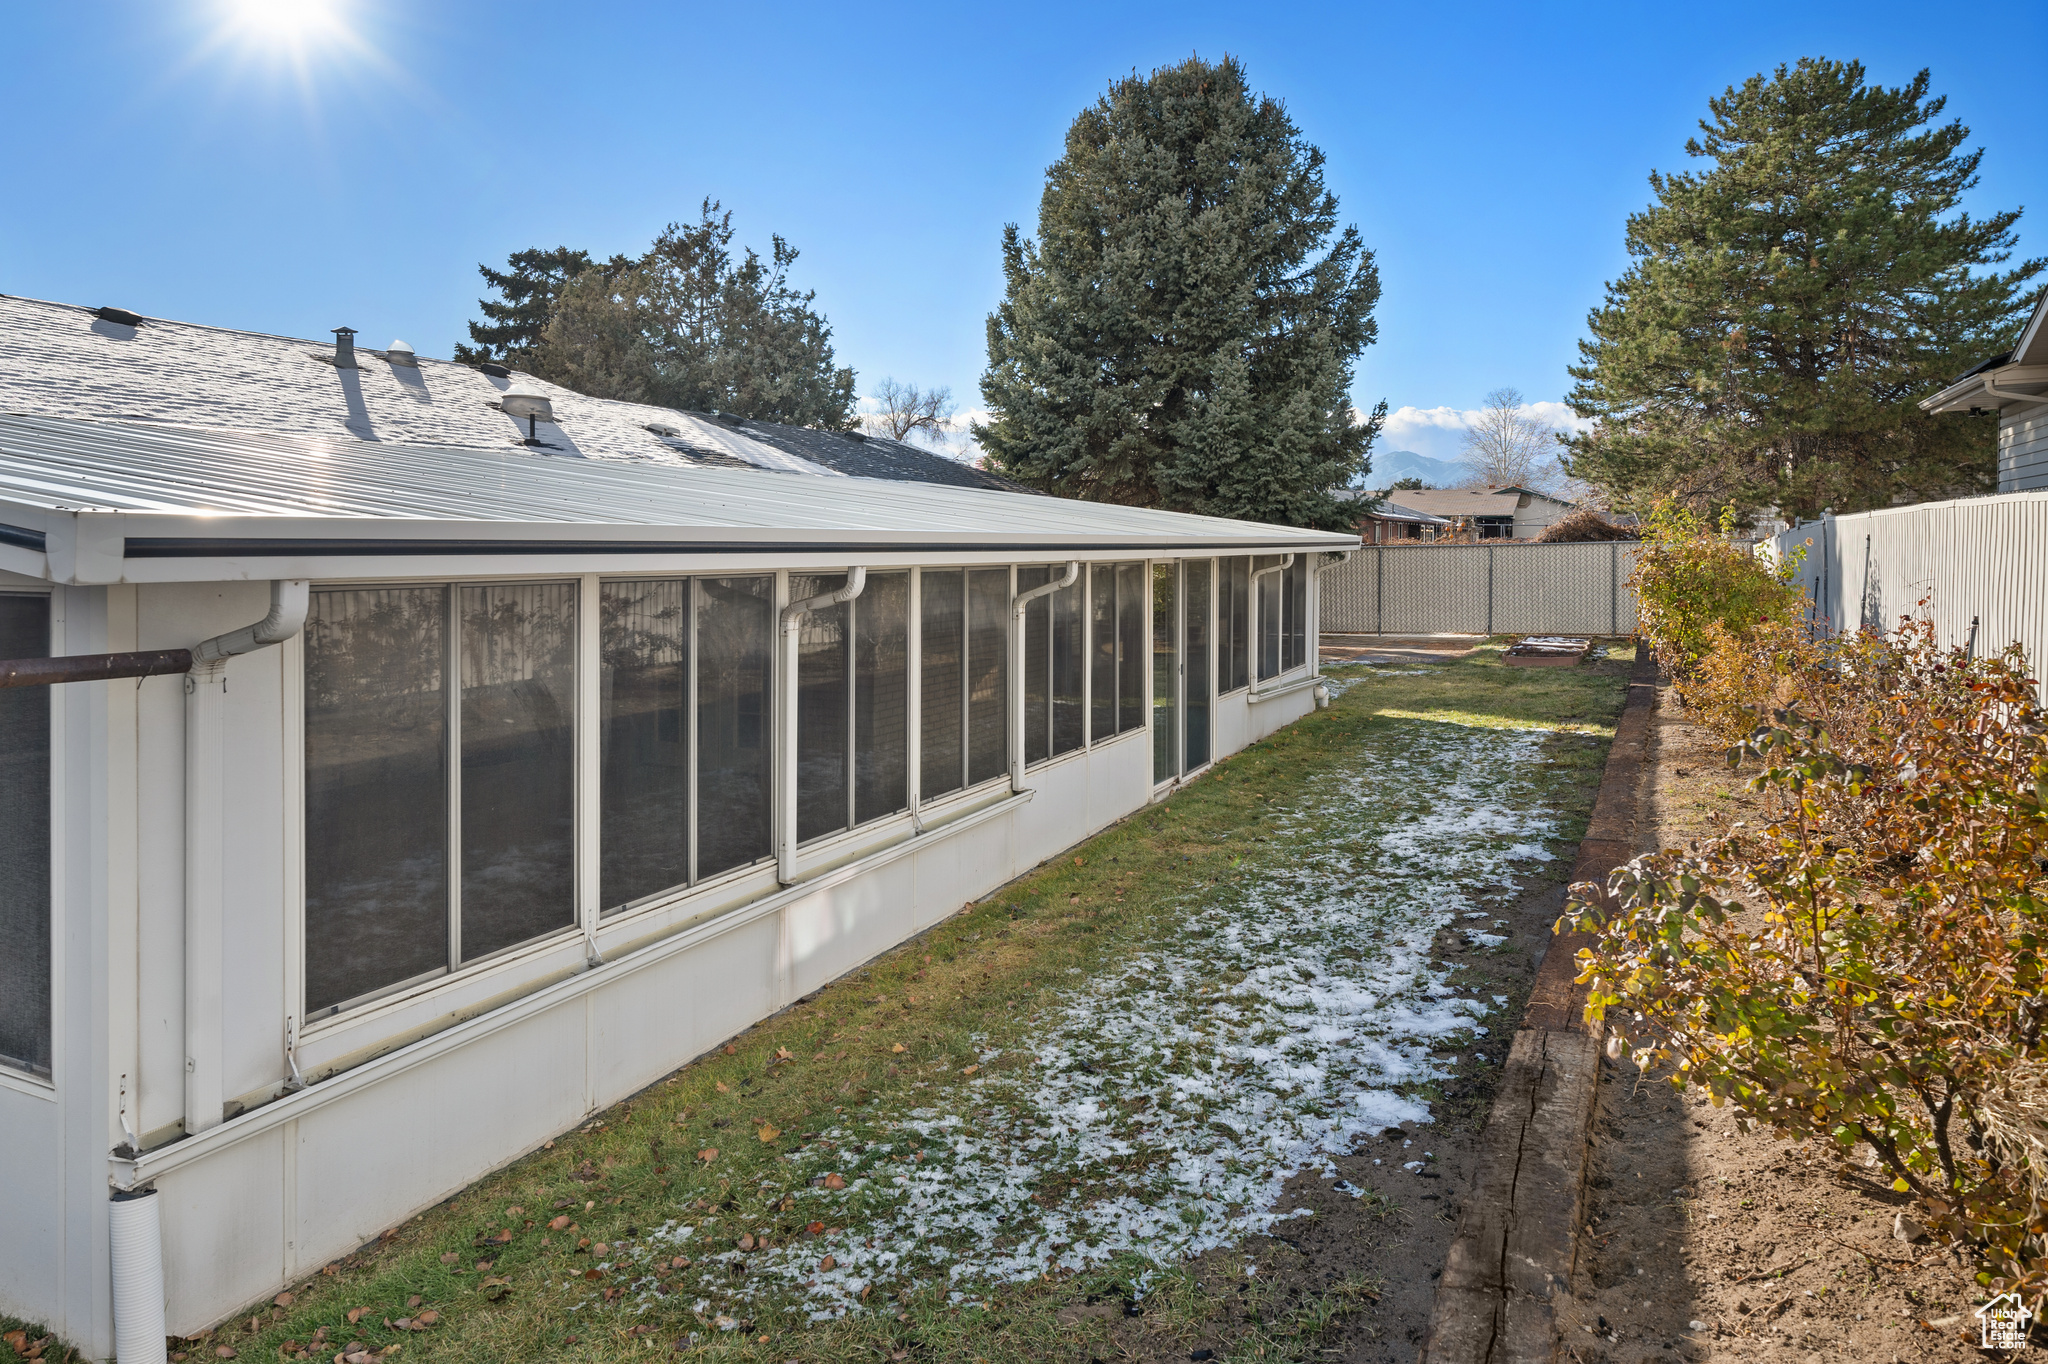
(168, 158)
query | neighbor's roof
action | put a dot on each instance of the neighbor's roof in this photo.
(2016, 377)
(1453, 502)
(63, 360)
(1389, 511)
(105, 501)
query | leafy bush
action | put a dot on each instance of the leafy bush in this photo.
(1582, 526)
(1870, 966)
(1692, 582)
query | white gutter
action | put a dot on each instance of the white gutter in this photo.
(1257, 641)
(205, 845)
(1017, 605)
(792, 623)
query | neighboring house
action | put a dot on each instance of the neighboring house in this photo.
(1489, 513)
(2015, 386)
(449, 787)
(1389, 523)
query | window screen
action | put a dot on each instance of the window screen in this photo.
(735, 643)
(824, 675)
(1132, 612)
(1165, 674)
(1037, 665)
(1233, 623)
(25, 1041)
(942, 678)
(1272, 626)
(1195, 662)
(376, 790)
(1117, 613)
(988, 647)
(1295, 583)
(1069, 657)
(1102, 650)
(644, 676)
(518, 763)
(881, 696)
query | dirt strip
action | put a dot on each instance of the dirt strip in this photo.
(1517, 1240)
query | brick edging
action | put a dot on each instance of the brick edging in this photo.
(1517, 1238)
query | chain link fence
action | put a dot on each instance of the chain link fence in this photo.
(1510, 589)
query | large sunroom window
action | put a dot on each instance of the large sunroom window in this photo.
(683, 799)
(1233, 623)
(1117, 610)
(853, 703)
(439, 828)
(1054, 656)
(25, 842)
(963, 737)
(1283, 617)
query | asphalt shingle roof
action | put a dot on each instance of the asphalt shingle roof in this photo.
(63, 360)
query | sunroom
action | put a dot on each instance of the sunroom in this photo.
(448, 794)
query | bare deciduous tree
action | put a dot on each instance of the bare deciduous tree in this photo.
(1505, 447)
(905, 409)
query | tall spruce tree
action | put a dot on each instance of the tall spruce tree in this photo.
(1182, 332)
(689, 326)
(1790, 303)
(528, 288)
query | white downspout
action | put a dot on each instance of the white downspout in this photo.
(792, 623)
(136, 1240)
(1258, 640)
(1017, 605)
(205, 845)
(1315, 644)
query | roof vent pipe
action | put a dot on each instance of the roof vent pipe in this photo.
(398, 353)
(523, 400)
(345, 348)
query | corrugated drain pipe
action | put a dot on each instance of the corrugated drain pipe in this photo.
(1015, 700)
(137, 1240)
(792, 623)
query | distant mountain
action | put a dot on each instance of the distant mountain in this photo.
(1390, 466)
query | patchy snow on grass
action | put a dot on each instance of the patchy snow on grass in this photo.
(1157, 1106)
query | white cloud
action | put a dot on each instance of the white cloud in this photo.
(1439, 432)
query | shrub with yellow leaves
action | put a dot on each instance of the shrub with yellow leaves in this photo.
(1870, 967)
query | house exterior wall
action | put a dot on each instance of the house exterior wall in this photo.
(1534, 515)
(416, 1095)
(2023, 450)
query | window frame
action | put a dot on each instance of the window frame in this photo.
(582, 723)
(24, 1078)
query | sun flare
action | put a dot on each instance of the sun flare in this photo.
(285, 22)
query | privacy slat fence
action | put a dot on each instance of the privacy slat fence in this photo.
(1517, 589)
(1980, 558)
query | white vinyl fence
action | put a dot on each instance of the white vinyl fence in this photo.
(1482, 589)
(1979, 561)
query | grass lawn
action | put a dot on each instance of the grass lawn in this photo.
(1018, 1136)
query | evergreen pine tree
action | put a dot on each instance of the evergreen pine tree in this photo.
(1182, 332)
(512, 327)
(688, 326)
(1790, 304)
